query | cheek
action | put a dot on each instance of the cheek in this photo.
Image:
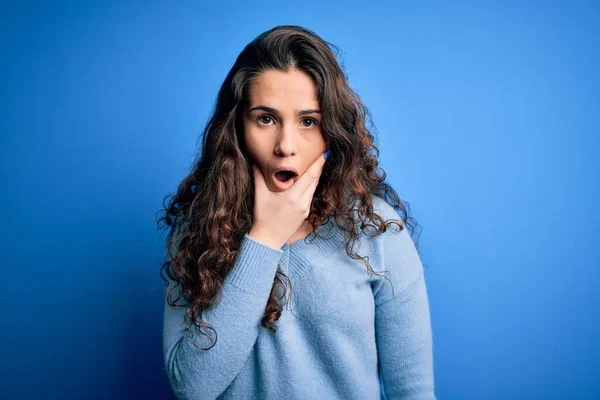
(249, 141)
(254, 148)
(321, 146)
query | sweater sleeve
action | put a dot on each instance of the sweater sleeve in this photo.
(402, 320)
(205, 374)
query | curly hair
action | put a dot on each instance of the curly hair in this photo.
(213, 206)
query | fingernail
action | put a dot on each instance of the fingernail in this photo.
(326, 154)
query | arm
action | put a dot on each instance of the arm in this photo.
(205, 374)
(402, 322)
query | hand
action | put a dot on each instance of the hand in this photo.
(278, 215)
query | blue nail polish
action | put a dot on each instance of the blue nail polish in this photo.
(326, 154)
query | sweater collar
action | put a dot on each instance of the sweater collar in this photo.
(324, 240)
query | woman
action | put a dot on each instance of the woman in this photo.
(261, 247)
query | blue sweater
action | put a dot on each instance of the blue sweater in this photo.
(342, 335)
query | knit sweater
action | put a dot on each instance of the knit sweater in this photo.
(342, 335)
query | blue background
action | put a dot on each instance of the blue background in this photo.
(488, 123)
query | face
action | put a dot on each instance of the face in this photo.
(282, 123)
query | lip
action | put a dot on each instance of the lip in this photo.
(284, 168)
(288, 183)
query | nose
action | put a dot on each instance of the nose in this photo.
(285, 143)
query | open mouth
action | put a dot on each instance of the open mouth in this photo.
(284, 176)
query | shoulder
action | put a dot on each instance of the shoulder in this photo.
(385, 210)
(396, 234)
(392, 252)
(395, 238)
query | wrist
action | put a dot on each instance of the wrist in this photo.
(264, 238)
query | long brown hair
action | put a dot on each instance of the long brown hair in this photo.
(213, 206)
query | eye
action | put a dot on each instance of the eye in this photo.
(314, 122)
(268, 117)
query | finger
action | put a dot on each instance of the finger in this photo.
(308, 195)
(312, 173)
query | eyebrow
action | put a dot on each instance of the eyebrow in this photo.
(274, 111)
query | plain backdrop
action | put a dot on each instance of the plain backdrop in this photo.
(487, 119)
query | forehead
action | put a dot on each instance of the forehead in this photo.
(278, 88)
